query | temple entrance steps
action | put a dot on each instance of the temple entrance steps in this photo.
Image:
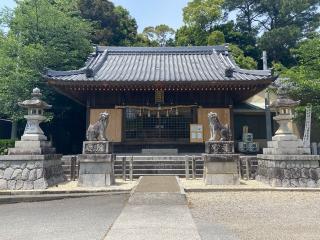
(188, 166)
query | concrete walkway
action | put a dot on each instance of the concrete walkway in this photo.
(156, 210)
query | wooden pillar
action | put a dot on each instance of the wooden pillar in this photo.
(88, 112)
(268, 116)
(187, 166)
(14, 125)
(124, 168)
(231, 121)
(193, 167)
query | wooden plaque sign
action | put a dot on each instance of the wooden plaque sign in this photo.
(159, 96)
(196, 133)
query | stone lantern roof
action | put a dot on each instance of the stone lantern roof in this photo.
(35, 101)
(283, 100)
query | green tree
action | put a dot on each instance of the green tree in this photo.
(303, 80)
(242, 60)
(143, 41)
(246, 41)
(281, 24)
(65, 39)
(203, 27)
(278, 43)
(281, 13)
(247, 14)
(203, 13)
(161, 34)
(191, 35)
(305, 77)
(126, 29)
(19, 72)
(112, 25)
(199, 17)
(40, 35)
(216, 38)
(285, 23)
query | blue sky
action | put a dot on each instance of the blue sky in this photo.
(146, 12)
(155, 12)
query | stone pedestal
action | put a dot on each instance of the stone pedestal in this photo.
(29, 172)
(220, 163)
(96, 164)
(30, 165)
(289, 170)
(287, 163)
(286, 145)
(221, 169)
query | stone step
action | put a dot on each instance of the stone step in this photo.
(157, 158)
(135, 168)
(153, 167)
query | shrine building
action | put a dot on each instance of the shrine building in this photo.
(160, 96)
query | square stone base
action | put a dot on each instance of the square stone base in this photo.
(221, 169)
(222, 179)
(96, 170)
(28, 147)
(28, 172)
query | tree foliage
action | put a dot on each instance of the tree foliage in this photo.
(18, 74)
(112, 25)
(191, 36)
(242, 60)
(40, 35)
(204, 27)
(305, 77)
(216, 38)
(247, 14)
(161, 35)
(65, 39)
(203, 13)
(278, 25)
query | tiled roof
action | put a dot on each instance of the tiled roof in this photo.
(172, 64)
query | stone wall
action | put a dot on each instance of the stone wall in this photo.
(287, 173)
(32, 174)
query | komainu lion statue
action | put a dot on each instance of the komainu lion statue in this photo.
(217, 128)
(96, 132)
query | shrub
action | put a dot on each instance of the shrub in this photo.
(4, 145)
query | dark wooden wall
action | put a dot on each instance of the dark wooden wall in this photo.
(147, 98)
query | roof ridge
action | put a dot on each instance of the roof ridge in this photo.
(161, 50)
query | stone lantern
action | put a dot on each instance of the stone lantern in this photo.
(33, 162)
(285, 141)
(284, 110)
(286, 162)
(36, 108)
(33, 140)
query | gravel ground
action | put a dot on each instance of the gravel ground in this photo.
(257, 215)
(199, 184)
